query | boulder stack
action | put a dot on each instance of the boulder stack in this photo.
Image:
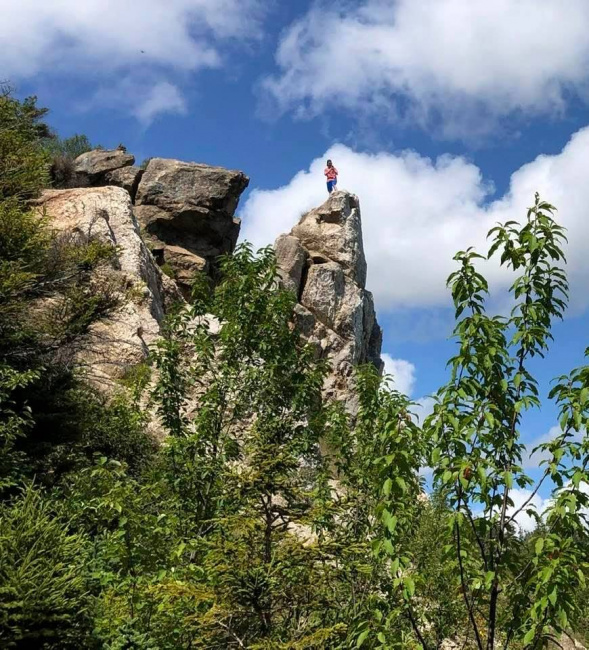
(187, 212)
(101, 167)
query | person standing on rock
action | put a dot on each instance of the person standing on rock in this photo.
(331, 174)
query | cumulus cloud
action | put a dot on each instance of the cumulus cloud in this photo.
(404, 379)
(424, 406)
(98, 38)
(403, 373)
(418, 212)
(462, 63)
(525, 522)
(144, 99)
(532, 460)
(161, 98)
(40, 36)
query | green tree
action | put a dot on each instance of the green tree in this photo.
(477, 453)
(238, 460)
(51, 291)
(238, 536)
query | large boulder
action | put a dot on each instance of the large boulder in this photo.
(120, 341)
(92, 167)
(322, 261)
(189, 206)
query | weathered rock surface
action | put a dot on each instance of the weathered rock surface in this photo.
(566, 642)
(121, 340)
(126, 177)
(92, 167)
(333, 231)
(322, 261)
(189, 207)
(184, 264)
(291, 258)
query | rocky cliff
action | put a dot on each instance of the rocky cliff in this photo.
(185, 210)
(322, 260)
(180, 217)
(142, 293)
(187, 213)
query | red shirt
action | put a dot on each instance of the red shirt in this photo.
(331, 173)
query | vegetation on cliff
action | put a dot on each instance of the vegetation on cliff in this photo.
(269, 518)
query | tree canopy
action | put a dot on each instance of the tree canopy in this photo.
(268, 517)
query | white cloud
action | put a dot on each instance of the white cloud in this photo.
(96, 39)
(418, 212)
(525, 522)
(403, 373)
(144, 99)
(424, 406)
(161, 98)
(466, 63)
(404, 378)
(533, 460)
(67, 34)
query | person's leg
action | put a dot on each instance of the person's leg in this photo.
(329, 186)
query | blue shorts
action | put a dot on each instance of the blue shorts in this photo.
(331, 185)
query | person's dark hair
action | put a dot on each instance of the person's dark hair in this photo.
(329, 162)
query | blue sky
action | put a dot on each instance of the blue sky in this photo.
(444, 116)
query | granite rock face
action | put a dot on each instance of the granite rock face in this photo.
(92, 167)
(291, 258)
(121, 340)
(126, 177)
(187, 212)
(322, 261)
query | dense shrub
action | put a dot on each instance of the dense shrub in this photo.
(44, 588)
(62, 154)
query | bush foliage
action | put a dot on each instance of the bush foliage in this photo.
(267, 518)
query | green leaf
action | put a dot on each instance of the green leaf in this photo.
(401, 483)
(409, 586)
(539, 545)
(529, 636)
(362, 638)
